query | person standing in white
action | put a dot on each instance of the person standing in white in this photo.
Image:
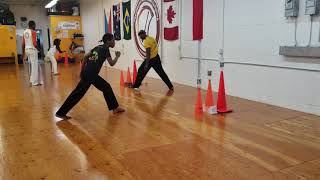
(50, 55)
(30, 51)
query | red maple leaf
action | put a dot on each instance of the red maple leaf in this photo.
(170, 14)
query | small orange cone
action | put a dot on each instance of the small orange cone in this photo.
(66, 58)
(210, 107)
(222, 103)
(134, 71)
(128, 77)
(122, 79)
(209, 96)
(198, 106)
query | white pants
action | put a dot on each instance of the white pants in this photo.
(54, 67)
(33, 58)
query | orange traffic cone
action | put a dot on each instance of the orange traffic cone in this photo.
(66, 58)
(222, 103)
(198, 106)
(134, 71)
(59, 57)
(210, 107)
(122, 79)
(129, 82)
(122, 90)
(209, 96)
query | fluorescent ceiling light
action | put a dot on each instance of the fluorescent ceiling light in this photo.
(51, 3)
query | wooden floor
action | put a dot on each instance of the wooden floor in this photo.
(158, 138)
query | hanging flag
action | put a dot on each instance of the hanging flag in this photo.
(197, 19)
(126, 10)
(171, 28)
(110, 23)
(116, 22)
(106, 29)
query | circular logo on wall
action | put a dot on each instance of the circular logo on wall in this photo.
(24, 24)
(146, 17)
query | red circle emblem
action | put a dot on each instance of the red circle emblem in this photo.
(146, 17)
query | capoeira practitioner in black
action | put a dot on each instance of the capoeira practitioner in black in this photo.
(92, 64)
(152, 60)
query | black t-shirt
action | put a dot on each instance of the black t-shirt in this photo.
(94, 61)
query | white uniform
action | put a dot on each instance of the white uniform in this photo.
(32, 54)
(50, 55)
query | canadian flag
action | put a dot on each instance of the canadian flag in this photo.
(197, 19)
(171, 28)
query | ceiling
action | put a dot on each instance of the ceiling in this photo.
(32, 2)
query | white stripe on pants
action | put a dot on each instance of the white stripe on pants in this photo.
(33, 58)
(54, 67)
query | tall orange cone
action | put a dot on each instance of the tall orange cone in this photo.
(198, 106)
(122, 90)
(222, 103)
(122, 79)
(134, 72)
(129, 81)
(210, 107)
(66, 58)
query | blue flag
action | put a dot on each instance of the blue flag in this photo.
(106, 30)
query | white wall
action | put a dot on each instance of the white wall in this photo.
(91, 22)
(254, 30)
(36, 13)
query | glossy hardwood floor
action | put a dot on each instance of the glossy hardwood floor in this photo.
(158, 138)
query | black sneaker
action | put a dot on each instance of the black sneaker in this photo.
(64, 117)
(130, 86)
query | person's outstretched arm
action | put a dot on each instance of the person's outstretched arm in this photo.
(58, 48)
(111, 61)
